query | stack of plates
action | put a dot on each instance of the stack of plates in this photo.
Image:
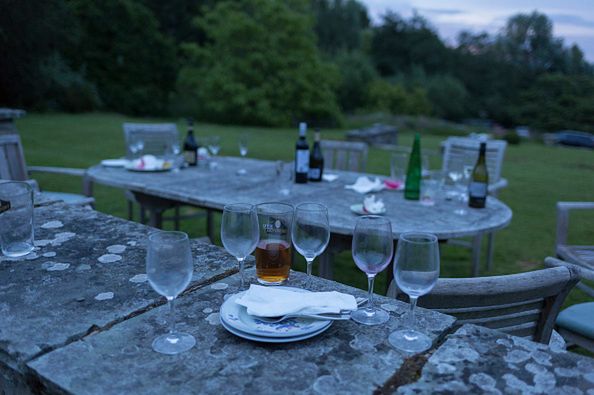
(236, 320)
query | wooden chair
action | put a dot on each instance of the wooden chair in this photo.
(467, 149)
(13, 167)
(344, 155)
(580, 255)
(524, 304)
(158, 139)
(576, 323)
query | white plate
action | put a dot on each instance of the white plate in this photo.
(266, 339)
(114, 162)
(147, 170)
(358, 209)
(236, 317)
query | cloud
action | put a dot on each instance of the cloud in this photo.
(440, 11)
(572, 20)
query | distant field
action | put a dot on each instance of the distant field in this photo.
(538, 176)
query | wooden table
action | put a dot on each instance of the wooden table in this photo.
(213, 189)
(78, 317)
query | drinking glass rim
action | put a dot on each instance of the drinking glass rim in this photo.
(28, 188)
(289, 208)
(375, 217)
(429, 238)
(172, 235)
(321, 207)
(239, 207)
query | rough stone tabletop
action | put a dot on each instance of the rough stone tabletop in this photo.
(482, 361)
(347, 358)
(86, 273)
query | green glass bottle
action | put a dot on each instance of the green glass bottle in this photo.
(412, 187)
(479, 183)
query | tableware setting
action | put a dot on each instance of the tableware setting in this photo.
(370, 205)
(149, 163)
(114, 162)
(365, 185)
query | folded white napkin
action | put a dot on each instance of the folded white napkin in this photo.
(275, 302)
(373, 205)
(366, 185)
(329, 177)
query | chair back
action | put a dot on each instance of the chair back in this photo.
(157, 138)
(344, 155)
(467, 149)
(524, 304)
(12, 159)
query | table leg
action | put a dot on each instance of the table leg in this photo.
(490, 249)
(326, 261)
(476, 254)
(210, 224)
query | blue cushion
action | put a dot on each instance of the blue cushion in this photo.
(578, 318)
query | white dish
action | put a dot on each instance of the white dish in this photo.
(358, 209)
(265, 339)
(114, 162)
(166, 167)
(236, 317)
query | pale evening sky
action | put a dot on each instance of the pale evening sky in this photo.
(573, 20)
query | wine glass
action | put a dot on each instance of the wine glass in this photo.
(311, 232)
(169, 269)
(136, 148)
(243, 150)
(214, 146)
(416, 270)
(372, 251)
(240, 232)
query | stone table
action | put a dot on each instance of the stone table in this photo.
(212, 189)
(85, 274)
(347, 358)
(480, 360)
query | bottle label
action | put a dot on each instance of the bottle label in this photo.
(190, 156)
(302, 161)
(314, 173)
(477, 189)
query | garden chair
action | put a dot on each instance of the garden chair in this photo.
(467, 149)
(576, 323)
(524, 304)
(344, 155)
(13, 167)
(580, 255)
(157, 139)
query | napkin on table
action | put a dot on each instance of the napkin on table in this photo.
(275, 302)
(329, 177)
(365, 185)
(373, 205)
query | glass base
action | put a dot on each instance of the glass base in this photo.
(409, 340)
(173, 343)
(18, 249)
(241, 172)
(370, 317)
(264, 282)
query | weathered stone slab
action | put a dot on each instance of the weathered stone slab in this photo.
(347, 358)
(479, 360)
(86, 274)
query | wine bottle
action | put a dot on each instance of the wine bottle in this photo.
(301, 156)
(316, 159)
(412, 186)
(479, 181)
(190, 146)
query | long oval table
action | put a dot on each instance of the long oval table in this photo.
(214, 188)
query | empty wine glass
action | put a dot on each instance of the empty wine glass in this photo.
(214, 146)
(240, 232)
(416, 270)
(136, 148)
(169, 269)
(311, 232)
(243, 150)
(372, 251)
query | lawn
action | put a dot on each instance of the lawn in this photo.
(538, 176)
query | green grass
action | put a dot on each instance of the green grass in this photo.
(538, 176)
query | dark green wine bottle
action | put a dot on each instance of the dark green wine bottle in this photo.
(412, 187)
(479, 182)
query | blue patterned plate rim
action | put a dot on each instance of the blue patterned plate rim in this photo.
(268, 339)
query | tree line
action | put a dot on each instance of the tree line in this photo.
(270, 62)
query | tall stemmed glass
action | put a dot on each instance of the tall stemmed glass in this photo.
(372, 251)
(243, 150)
(416, 270)
(214, 146)
(310, 233)
(240, 232)
(169, 269)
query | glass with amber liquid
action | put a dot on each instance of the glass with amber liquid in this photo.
(273, 253)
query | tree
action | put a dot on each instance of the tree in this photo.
(124, 54)
(339, 24)
(356, 72)
(259, 65)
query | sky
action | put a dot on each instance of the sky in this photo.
(573, 20)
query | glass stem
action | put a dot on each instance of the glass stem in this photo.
(309, 266)
(370, 281)
(171, 303)
(411, 316)
(241, 261)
